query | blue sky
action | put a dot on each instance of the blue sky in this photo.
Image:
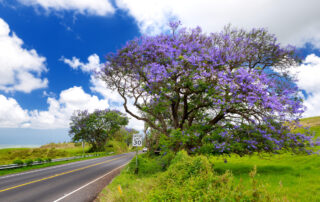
(49, 48)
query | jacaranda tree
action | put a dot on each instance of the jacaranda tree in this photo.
(96, 127)
(226, 92)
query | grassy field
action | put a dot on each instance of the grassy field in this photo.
(284, 177)
(52, 150)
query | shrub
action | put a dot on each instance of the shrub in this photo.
(166, 158)
(29, 162)
(48, 159)
(193, 179)
(18, 162)
(147, 166)
(39, 160)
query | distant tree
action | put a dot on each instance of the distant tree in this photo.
(96, 127)
(218, 93)
(125, 135)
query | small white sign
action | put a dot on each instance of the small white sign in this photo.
(137, 140)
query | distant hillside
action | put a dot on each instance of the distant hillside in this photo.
(311, 121)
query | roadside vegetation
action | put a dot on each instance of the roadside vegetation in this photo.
(258, 177)
(45, 152)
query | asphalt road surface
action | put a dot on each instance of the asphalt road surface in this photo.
(76, 182)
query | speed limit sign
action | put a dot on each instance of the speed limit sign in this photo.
(137, 140)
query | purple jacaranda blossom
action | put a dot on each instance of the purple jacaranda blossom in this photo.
(220, 85)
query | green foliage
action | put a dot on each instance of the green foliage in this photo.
(48, 159)
(166, 158)
(29, 162)
(96, 127)
(186, 179)
(147, 166)
(18, 162)
(40, 160)
(116, 147)
(124, 135)
(193, 179)
(52, 150)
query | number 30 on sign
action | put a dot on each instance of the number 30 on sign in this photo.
(137, 140)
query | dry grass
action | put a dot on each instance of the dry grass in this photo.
(310, 122)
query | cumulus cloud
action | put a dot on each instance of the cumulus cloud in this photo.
(308, 79)
(114, 100)
(58, 114)
(20, 69)
(92, 65)
(293, 21)
(91, 7)
(60, 110)
(11, 114)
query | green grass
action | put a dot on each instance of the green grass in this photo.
(313, 123)
(299, 175)
(286, 176)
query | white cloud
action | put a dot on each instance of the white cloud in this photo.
(91, 7)
(92, 65)
(20, 69)
(11, 114)
(58, 113)
(308, 79)
(293, 21)
(98, 86)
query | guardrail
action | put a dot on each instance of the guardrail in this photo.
(10, 166)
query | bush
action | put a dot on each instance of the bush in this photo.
(48, 159)
(146, 166)
(116, 146)
(39, 160)
(166, 158)
(29, 162)
(193, 179)
(18, 162)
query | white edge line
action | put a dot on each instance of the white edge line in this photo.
(66, 195)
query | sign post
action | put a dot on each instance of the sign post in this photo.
(136, 142)
(82, 148)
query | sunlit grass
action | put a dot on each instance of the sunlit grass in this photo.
(292, 177)
(52, 150)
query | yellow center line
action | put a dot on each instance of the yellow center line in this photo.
(56, 175)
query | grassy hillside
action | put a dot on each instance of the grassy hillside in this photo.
(284, 177)
(52, 150)
(313, 123)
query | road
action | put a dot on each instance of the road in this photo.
(77, 181)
